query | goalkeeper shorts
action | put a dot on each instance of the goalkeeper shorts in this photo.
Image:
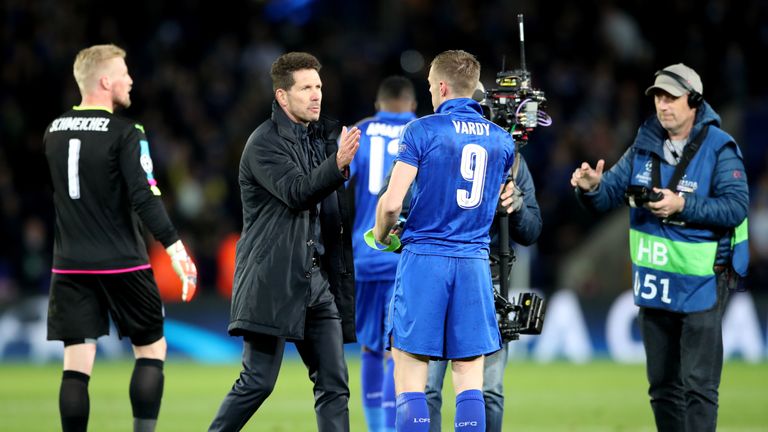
(79, 306)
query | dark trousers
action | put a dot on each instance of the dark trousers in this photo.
(323, 355)
(684, 361)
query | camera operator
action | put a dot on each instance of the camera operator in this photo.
(688, 246)
(524, 220)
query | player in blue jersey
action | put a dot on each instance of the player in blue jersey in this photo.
(524, 222)
(442, 305)
(375, 271)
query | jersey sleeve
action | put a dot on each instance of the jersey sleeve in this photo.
(411, 144)
(510, 159)
(137, 171)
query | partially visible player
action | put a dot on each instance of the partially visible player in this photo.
(375, 271)
(104, 188)
(442, 304)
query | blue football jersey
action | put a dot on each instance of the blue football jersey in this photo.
(379, 142)
(463, 160)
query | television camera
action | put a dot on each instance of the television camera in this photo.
(529, 315)
(518, 108)
(514, 104)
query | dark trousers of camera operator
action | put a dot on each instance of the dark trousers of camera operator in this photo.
(322, 352)
(684, 355)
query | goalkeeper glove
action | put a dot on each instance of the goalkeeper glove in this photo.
(185, 268)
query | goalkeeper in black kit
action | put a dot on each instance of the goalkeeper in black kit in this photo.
(103, 189)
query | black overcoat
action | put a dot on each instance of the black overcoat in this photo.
(279, 194)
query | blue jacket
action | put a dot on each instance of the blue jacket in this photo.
(725, 207)
(524, 224)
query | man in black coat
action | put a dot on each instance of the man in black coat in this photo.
(294, 273)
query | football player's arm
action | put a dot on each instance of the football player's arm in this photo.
(408, 196)
(136, 169)
(143, 192)
(391, 202)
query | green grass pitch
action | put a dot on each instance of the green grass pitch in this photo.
(594, 397)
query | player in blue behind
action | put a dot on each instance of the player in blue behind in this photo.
(442, 304)
(375, 271)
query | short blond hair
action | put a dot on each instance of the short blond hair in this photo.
(89, 61)
(459, 68)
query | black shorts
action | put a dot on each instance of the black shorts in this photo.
(79, 306)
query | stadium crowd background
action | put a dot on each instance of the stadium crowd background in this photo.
(201, 85)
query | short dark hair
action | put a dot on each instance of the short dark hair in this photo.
(288, 63)
(395, 87)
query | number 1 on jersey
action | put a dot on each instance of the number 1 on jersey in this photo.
(73, 168)
(376, 163)
(474, 160)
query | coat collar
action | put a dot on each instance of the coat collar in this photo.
(459, 104)
(291, 131)
(651, 135)
(286, 128)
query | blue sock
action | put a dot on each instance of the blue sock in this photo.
(412, 412)
(470, 411)
(388, 397)
(372, 371)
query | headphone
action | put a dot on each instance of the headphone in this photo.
(694, 98)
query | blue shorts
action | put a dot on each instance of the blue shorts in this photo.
(443, 307)
(371, 303)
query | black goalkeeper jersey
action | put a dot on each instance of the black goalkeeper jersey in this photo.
(103, 188)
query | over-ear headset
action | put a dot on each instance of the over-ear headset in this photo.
(694, 98)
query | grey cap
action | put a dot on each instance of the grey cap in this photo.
(672, 86)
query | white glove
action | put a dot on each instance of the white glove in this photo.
(185, 268)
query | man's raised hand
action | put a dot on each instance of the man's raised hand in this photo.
(586, 178)
(349, 142)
